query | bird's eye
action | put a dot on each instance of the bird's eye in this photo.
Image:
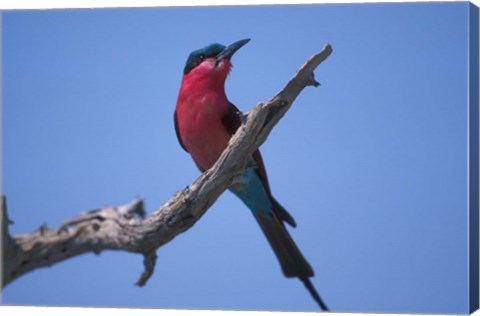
(201, 57)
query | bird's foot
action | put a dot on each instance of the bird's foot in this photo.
(243, 116)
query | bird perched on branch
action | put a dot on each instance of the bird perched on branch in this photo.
(205, 120)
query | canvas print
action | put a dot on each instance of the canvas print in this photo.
(319, 158)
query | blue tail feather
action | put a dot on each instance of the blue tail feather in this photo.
(251, 191)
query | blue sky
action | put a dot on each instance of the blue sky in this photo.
(372, 164)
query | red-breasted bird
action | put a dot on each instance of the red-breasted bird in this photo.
(205, 120)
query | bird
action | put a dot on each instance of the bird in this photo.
(205, 120)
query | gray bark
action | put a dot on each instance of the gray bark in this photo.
(126, 227)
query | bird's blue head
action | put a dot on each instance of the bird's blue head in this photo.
(217, 51)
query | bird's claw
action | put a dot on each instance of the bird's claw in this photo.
(243, 116)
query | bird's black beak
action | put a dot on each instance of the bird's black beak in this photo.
(228, 52)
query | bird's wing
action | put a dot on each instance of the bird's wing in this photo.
(231, 121)
(177, 131)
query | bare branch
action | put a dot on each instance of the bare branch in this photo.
(93, 231)
(126, 228)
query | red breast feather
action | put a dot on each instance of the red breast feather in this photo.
(201, 104)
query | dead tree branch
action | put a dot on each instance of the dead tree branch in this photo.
(126, 227)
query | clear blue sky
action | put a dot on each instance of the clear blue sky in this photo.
(372, 164)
